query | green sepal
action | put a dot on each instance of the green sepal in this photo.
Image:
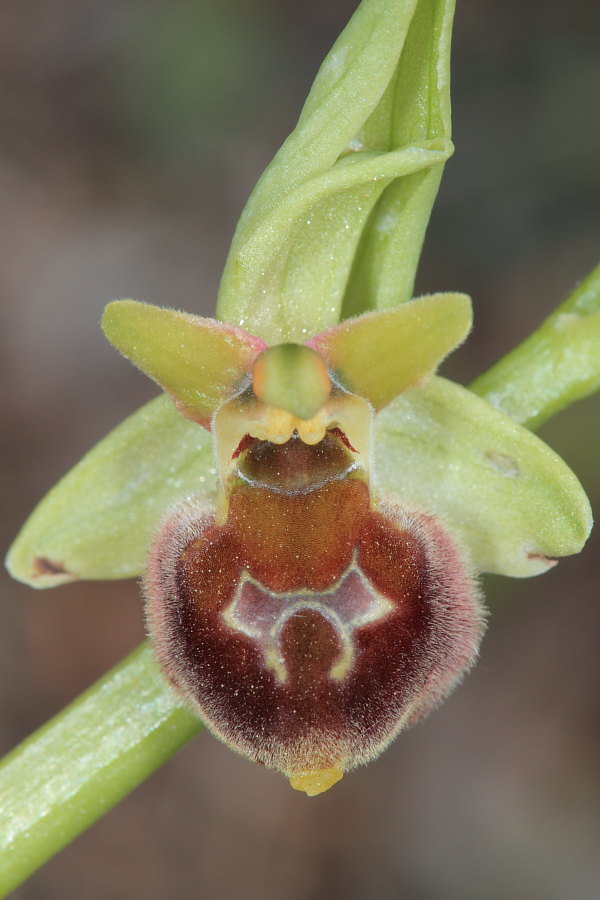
(379, 355)
(511, 501)
(98, 520)
(199, 362)
(377, 120)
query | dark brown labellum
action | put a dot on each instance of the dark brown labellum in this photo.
(308, 624)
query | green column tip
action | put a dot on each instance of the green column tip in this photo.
(291, 377)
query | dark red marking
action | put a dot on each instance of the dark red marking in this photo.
(44, 566)
(245, 442)
(343, 438)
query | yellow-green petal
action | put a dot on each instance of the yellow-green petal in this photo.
(199, 362)
(379, 355)
(98, 520)
(511, 501)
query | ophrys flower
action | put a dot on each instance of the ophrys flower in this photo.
(304, 609)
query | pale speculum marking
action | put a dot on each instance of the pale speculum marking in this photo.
(261, 614)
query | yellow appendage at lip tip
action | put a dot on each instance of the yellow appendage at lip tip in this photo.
(317, 782)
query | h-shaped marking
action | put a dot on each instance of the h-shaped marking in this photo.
(261, 615)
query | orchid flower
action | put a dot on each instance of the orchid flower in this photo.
(309, 505)
(317, 594)
(308, 613)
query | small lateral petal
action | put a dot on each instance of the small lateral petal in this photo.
(379, 355)
(512, 502)
(199, 362)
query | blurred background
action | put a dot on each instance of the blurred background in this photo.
(131, 134)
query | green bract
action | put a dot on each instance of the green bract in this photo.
(335, 225)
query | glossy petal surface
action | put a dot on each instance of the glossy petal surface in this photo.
(415, 106)
(511, 500)
(380, 355)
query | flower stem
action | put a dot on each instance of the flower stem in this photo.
(82, 762)
(555, 366)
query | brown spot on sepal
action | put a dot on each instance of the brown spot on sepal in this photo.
(48, 572)
(44, 566)
(548, 561)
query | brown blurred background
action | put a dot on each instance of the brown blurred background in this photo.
(131, 132)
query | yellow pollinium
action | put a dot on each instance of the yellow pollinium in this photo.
(278, 425)
(313, 783)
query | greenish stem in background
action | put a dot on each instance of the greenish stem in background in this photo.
(79, 765)
(86, 759)
(555, 366)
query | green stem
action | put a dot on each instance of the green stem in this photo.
(555, 366)
(75, 768)
(82, 762)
